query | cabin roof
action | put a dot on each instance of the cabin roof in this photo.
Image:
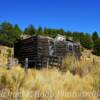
(70, 40)
(49, 38)
(36, 36)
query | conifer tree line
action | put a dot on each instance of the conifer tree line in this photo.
(12, 33)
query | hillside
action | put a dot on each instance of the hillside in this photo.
(88, 55)
(5, 53)
(75, 81)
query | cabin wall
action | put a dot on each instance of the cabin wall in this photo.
(38, 49)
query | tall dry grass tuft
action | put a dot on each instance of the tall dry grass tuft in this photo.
(77, 80)
(45, 84)
(79, 67)
(95, 73)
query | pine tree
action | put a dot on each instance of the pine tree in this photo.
(96, 49)
(86, 41)
(40, 31)
(95, 36)
(30, 30)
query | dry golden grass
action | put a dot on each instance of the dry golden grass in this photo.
(47, 84)
(77, 80)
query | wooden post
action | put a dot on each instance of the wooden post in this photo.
(47, 62)
(62, 62)
(10, 62)
(26, 64)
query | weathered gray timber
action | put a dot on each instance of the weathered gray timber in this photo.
(73, 48)
(35, 48)
(42, 50)
(60, 48)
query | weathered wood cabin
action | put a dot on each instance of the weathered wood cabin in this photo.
(35, 48)
(74, 49)
(41, 50)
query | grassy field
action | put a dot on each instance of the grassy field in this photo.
(76, 80)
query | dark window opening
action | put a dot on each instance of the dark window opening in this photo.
(70, 48)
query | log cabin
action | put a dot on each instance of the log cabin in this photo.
(42, 50)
